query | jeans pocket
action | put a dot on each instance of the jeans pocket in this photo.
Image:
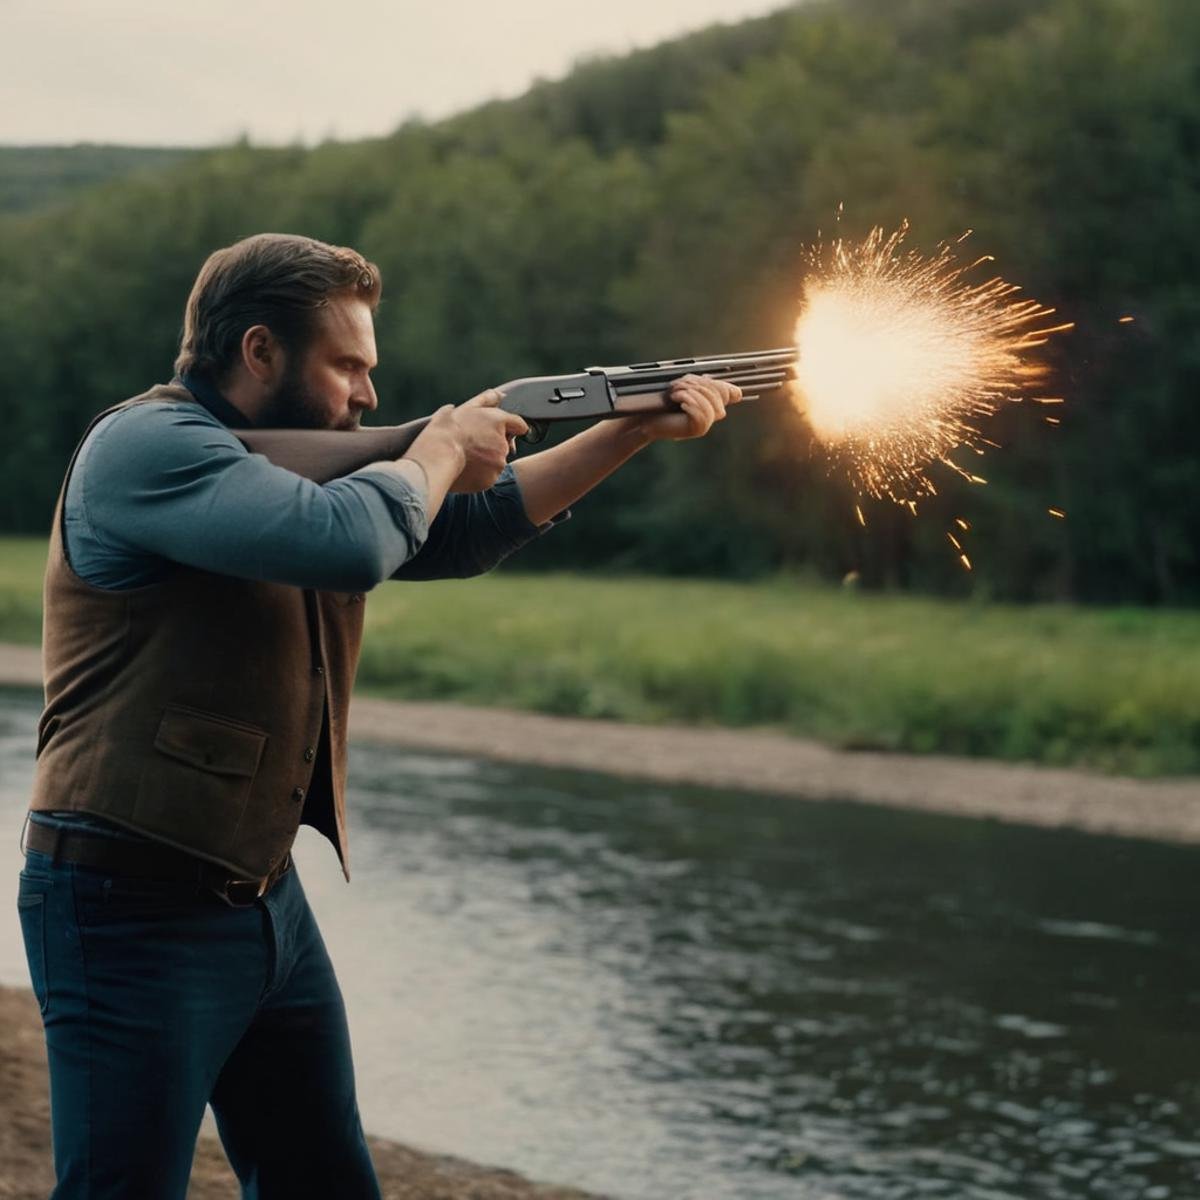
(31, 909)
(112, 899)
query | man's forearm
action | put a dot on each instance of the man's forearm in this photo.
(432, 462)
(554, 479)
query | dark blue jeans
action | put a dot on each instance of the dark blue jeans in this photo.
(158, 998)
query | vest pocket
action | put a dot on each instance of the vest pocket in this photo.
(195, 789)
(212, 743)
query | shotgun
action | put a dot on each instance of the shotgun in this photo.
(595, 394)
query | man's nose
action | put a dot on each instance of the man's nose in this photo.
(366, 397)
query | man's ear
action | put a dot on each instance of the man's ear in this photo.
(262, 355)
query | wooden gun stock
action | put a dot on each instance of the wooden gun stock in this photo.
(325, 454)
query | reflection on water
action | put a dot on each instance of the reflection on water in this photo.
(666, 993)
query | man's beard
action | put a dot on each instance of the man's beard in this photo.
(295, 406)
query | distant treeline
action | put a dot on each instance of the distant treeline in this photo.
(33, 177)
(659, 205)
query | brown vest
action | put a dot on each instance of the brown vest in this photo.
(203, 711)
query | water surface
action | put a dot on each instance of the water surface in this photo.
(667, 993)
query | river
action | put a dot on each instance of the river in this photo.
(664, 993)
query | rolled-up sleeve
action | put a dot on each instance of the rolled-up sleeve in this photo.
(172, 482)
(474, 532)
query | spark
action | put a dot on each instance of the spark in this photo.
(1057, 512)
(861, 519)
(1124, 320)
(962, 524)
(958, 546)
(902, 358)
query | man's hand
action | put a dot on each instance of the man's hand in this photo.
(463, 449)
(485, 432)
(702, 402)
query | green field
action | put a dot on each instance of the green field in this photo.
(1117, 689)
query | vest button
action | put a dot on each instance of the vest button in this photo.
(318, 670)
(298, 795)
(310, 754)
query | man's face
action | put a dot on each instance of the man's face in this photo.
(327, 383)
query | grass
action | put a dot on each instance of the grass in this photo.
(1117, 689)
(22, 561)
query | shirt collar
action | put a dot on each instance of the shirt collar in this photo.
(207, 395)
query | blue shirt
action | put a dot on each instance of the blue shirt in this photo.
(166, 482)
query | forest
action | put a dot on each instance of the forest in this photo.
(660, 204)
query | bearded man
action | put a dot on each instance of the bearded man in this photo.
(203, 620)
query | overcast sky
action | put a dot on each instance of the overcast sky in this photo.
(158, 72)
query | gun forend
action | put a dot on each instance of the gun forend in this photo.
(756, 372)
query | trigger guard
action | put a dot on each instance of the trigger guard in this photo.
(537, 432)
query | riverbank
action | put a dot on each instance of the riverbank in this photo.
(1113, 690)
(26, 1171)
(1161, 809)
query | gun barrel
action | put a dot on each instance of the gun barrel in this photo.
(721, 366)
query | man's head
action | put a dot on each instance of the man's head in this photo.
(283, 325)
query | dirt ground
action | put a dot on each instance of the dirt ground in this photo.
(26, 1172)
(1166, 809)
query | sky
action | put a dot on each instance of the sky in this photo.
(199, 72)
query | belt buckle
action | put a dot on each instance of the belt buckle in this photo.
(241, 893)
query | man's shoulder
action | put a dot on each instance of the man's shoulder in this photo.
(162, 407)
(161, 418)
(151, 437)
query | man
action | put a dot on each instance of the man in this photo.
(202, 628)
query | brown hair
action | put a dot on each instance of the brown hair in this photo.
(274, 279)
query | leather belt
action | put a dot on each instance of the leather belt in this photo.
(149, 860)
